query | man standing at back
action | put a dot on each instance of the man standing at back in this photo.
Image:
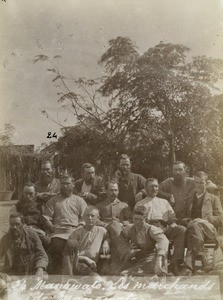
(131, 185)
(90, 187)
(177, 189)
(47, 186)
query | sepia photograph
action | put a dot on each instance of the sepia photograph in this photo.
(111, 149)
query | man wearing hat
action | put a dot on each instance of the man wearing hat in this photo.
(149, 245)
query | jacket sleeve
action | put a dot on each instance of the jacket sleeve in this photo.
(41, 258)
(161, 240)
(141, 183)
(217, 218)
(77, 187)
(101, 188)
(164, 189)
(98, 192)
(171, 214)
(125, 215)
(82, 207)
(48, 211)
(126, 233)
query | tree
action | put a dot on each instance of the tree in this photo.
(156, 106)
(105, 131)
(163, 85)
(7, 134)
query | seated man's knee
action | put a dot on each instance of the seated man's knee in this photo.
(191, 226)
(57, 245)
(181, 229)
(71, 245)
(114, 228)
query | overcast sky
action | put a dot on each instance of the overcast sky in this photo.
(79, 31)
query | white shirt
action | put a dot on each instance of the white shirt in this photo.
(86, 188)
(158, 209)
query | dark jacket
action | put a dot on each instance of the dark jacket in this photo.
(54, 186)
(31, 212)
(127, 192)
(97, 192)
(211, 209)
(31, 253)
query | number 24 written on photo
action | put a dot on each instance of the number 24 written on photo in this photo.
(50, 135)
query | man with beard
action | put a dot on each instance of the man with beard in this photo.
(31, 212)
(177, 189)
(131, 185)
(47, 186)
(161, 214)
(90, 187)
(81, 254)
(22, 250)
(63, 214)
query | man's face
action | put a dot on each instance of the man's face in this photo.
(29, 193)
(47, 171)
(179, 173)
(15, 227)
(200, 184)
(112, 191)
(89, 175)
(66, 186)
(91, 216)
(125, 166)
(139, 221)
(152, 189)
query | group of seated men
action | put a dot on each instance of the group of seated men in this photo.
(122, 227)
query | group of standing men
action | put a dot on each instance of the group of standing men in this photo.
(121, 227)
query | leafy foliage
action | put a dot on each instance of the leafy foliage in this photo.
(158, 106)
(7, 134)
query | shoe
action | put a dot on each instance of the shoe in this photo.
(173, 268)
(206, 266)
(186, 271)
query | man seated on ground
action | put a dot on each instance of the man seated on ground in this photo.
(131, 185)
(31, 212)
(161, 214)
(205, 215)
(82, 250)
(22, 250)
(144, 240)
(47, 186)
(63, 214)
(90, 187)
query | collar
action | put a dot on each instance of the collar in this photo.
(87, 184)
(200, 196)
(142, 229)
(183, 183)
(149, 198)
(116, 201)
